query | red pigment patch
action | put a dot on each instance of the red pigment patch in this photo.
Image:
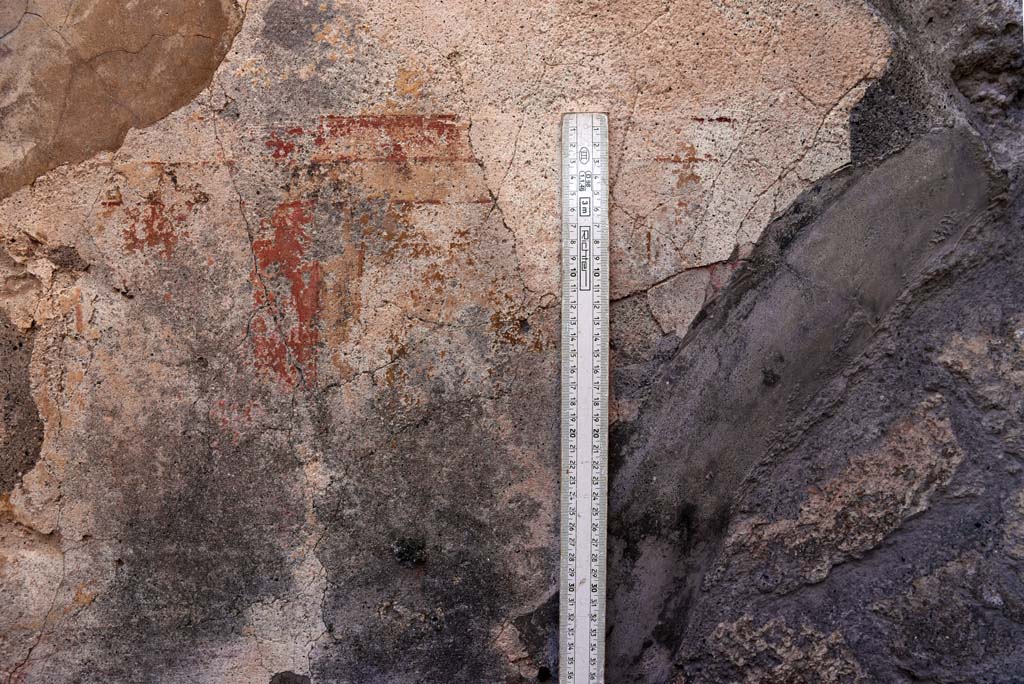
(154, 224)
(395, 138)
(408, 158)
(719, 273)
(233, 419)
(285, 331)
(281, 144)
(279, 148)
(112, 198)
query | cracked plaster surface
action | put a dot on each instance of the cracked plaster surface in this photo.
(294, 339)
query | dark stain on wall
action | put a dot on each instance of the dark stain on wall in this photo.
(21, 436)
(825, 484)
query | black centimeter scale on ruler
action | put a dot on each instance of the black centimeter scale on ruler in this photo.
(584, 156)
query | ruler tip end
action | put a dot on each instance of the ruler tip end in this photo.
(573, 119)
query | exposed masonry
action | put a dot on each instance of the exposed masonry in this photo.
(95, 72)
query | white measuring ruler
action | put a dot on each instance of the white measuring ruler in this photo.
(584, 396)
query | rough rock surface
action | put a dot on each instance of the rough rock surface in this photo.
(278, 305)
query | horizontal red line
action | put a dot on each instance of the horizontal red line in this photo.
(485, 200)
(395, 160)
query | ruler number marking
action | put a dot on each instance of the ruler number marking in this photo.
(584, 387)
